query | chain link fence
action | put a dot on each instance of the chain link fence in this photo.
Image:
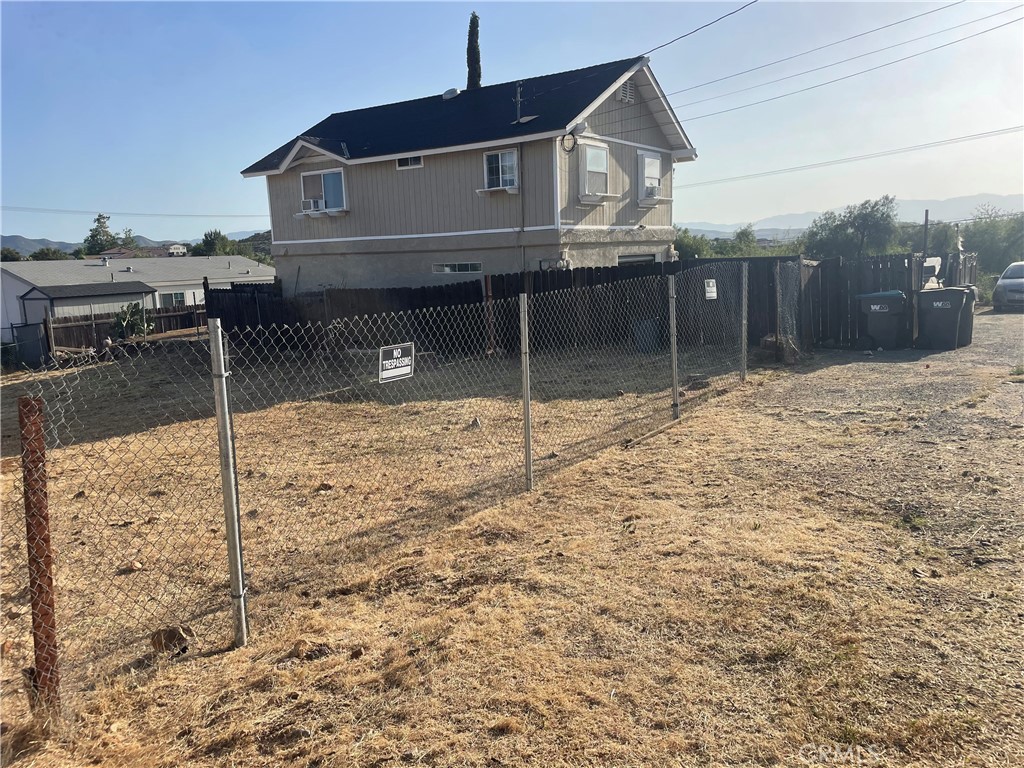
(132, 495)
(330, 463)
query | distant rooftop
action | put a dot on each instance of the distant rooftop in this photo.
(152, 271)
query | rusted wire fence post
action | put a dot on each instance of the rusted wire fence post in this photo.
(44, 678)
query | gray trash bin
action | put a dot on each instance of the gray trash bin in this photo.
(886, 319)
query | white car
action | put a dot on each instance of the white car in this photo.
(1009, 290)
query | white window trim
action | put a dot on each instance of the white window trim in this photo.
(593, 198)
(342, 211)
(641, 182)
(408, 167)
(492, 190)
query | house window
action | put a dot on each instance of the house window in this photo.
(459, 266)
(649, 180)
(172, 299)
(595, 179)
(501, 169)
(416, 161)
(323, 191)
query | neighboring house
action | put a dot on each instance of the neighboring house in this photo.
(177, 250)
(577, 172)
(138, 252)
(78, 287)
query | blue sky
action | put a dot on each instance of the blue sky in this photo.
(156, 107)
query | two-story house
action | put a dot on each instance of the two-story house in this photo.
(567, 169)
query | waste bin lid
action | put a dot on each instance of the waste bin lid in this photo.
(882, 295)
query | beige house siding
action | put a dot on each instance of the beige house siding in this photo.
(623, 181)
(630, 122)
(439, 197)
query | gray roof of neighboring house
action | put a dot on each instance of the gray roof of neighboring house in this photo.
(88, 290)
(219, 270)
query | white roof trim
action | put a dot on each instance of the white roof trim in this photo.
(668, 110)
(507, 142)
(607, 92)
(299, 144)
(680, 139)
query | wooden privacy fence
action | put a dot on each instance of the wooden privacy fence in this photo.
(264, 306)
(85, 331)
(829, 289)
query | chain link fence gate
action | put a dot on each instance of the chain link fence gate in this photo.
(335, 466)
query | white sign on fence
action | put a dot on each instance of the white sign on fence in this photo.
(710, 289)
(396, 362)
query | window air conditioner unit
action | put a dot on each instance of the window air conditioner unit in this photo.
(312, 205)
(652, 192)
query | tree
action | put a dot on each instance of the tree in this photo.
(100, 238)
(131, 321)
(49, 254)
(473, 53)
(9, 254)
(214, 243)
(996, 236)
(692, 246)
(127, 239)
(860, 230)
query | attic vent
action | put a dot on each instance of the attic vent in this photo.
(627, 92)
(451, 93)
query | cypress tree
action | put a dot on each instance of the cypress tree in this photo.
(473, 52)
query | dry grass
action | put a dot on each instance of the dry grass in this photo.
(829, 557)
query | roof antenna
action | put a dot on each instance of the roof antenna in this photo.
(519, 101)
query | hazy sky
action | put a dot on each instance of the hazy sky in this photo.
(156, 107)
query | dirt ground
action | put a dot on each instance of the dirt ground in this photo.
(820, 566)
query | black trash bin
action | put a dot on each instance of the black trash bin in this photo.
(886, 319)
(938, 317)
(966, 330)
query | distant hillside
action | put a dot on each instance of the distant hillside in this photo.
(25, 246)
(260, 242)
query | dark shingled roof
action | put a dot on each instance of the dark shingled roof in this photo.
(85, 290)
(474, 116)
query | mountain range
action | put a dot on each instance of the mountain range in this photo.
(792, 224)
(27, 245)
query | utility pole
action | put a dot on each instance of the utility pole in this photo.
(925, 249)
(519, 100)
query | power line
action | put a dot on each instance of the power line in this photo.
(670, 42)
(844, 61)
(30, 209)
(854, 74)
(698, 29)
(856, 158)
(805, 53)
(815, 50)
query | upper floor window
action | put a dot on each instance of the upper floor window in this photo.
(323, 191)
(416, 161)
(595, 179)
(501, 169)
(649, 178)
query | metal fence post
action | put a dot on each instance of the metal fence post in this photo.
(524, 346)
(672, 335)
(744, 291)
(44, 677)
(229, 482)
